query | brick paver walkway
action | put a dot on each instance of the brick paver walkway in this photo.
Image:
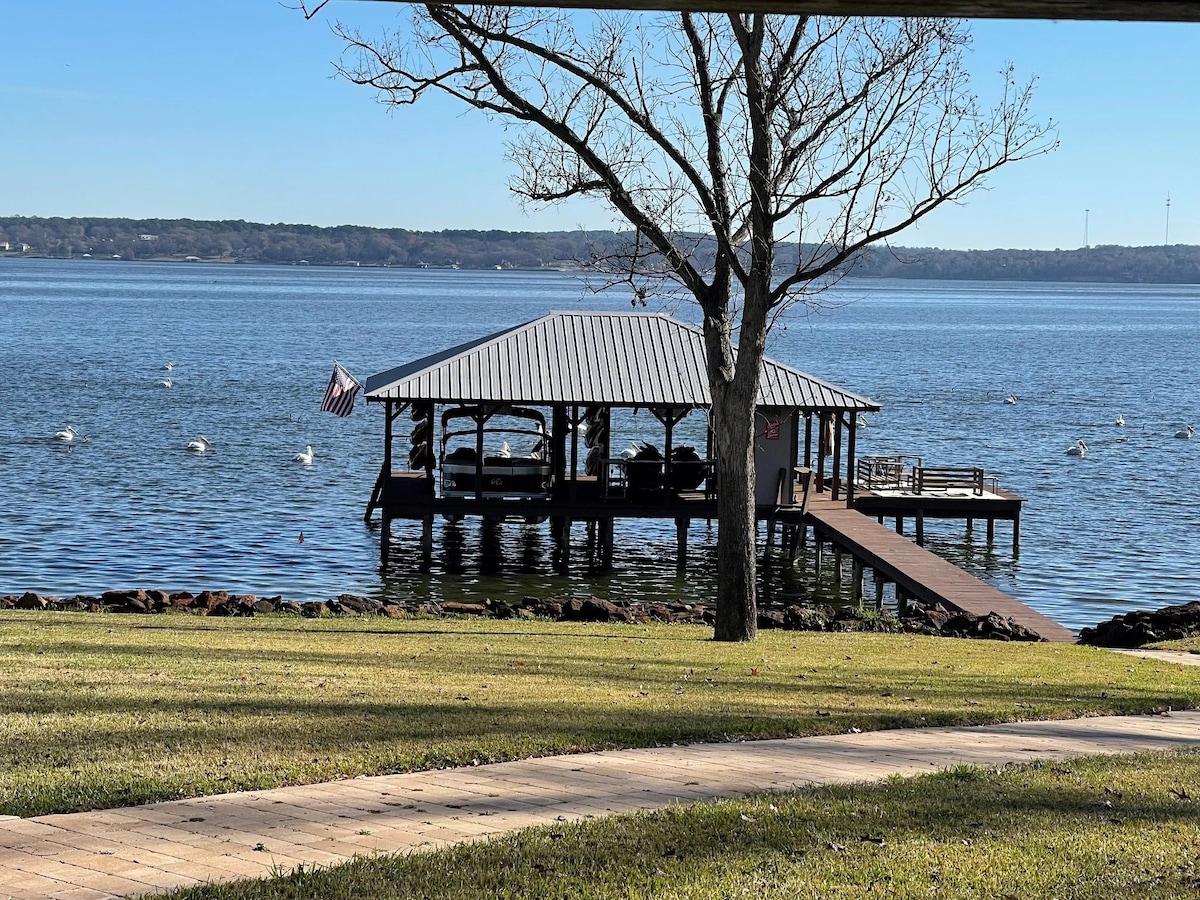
(115, 853)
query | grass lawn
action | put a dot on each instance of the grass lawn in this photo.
(1100, 827)
(112, 710)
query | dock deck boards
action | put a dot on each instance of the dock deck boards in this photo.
(924, 575)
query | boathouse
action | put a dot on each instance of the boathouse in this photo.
(527, 423)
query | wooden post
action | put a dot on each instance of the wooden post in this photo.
(850, 461)
(920, 527)
(878, 589)
(1017, 535)
(388, 417)
(836, 467)
(899, 524)
(856, 575)
(558, 452)
(479, 420)
(970, 525)
(575, 420)
(607, 554)
(991, 531)
(808, 440)
(823, 447)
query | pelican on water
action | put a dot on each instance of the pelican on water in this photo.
(200, 446)
(1078, 449)
(1011, 399)
(1185, 433)
(67, 434)
(306, 457)
(1120, 421)
(169, 366)
(631, 451)
(167, 382)
(505, 451)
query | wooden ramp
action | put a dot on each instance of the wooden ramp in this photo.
(922, 575)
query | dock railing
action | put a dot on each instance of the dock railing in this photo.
(937, 478)
(886, 472)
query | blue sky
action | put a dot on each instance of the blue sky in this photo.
(229, 110)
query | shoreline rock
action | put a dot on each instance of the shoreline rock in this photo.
(932, 620)
(1135, 629)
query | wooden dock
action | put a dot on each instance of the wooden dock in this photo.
(916, 572)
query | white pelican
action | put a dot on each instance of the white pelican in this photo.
(67, 434)
(1079, 449)
(306, 457)
(167, 382)
(505, 451)
(169, 366)
(200, 446)
(631, 451)
(862, 422)
(1185, 433)
(1120, 421)
(1010, 399)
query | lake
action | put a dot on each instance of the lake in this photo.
(85, 343)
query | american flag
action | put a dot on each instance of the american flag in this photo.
(339, 396)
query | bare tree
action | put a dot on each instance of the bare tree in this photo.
(743, 129)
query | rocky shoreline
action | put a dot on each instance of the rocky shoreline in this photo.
(927, 620)
(1140, 627)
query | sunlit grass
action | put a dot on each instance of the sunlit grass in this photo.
(111, 710)
(1096, 828)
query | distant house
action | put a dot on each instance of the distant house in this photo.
(14, 247)
(147, 237)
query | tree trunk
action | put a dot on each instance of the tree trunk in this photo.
(737, 537)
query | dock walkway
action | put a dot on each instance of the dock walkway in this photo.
(920, 574)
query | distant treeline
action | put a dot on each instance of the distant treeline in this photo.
(238, 241)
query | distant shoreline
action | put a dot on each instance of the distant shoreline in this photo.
(353, 246)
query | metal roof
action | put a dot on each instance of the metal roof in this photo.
(609, 358)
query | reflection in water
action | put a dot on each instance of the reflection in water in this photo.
(491, 547)
(476, 559)
(453, 544)
(532, 550)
